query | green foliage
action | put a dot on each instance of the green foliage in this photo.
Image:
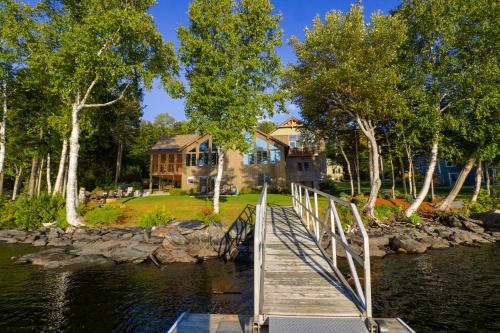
(248, 190)
(266, 126)
(360, 199)
(158, 216)
(178, 191)
(384, 212)
(106, 214)
(235, 80)
(414, 219)
(31, 212)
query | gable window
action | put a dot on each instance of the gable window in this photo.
(249, 157)
(300, 167)
(214, 156)
(295, 141)
(261, 145)
(306, 166)
(275, 154)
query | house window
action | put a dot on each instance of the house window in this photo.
(275, 154)
(295, 141)
(303, 166)
(179, 158)
(163, 157)
(262, 157)
(215, 158)
(203, 147)
(306, 166)
(190, 180)
(171, 158)
(249, 157)
(191, 157)
(449, 164)
(264, 178)
(203, 159)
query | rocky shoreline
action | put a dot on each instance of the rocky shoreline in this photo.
(441, 232)
(183, 241)
(194, 241)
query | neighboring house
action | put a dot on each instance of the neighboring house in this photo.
(305, 162)
(190, 161)
(334, 171)
(446, 172)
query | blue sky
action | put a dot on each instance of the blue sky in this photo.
(297, 14)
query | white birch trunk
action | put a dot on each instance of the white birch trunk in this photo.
(218, 179)
(488, 182)
(414, 179)
(427, 182)
(369, 131)
(410, 170)
(446, 203)
(60, 172)
(49, 181)
(72, 216)
(351, 181)
(39, 181)
(3, 125)
(479, 178)
(17, 183)
(356, 166)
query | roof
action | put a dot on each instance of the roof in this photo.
(270, 137)
(291, 122)
(175, 142)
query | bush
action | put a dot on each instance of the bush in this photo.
(360, 199)
(209, 217)
(383, 212)
(414, 219)
(178, 191)
(105, 214)
(31, 212)
(193, 191)
(158, 216)
(248, 190)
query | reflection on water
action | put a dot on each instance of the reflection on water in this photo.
(450, 290)
(124, 298)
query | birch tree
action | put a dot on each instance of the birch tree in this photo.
(228, 50)
(100, 45)
(347, 66)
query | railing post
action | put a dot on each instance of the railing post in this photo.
(301, 202)
(308, 208)
(316, 214)
(332, 228)
(293, 196)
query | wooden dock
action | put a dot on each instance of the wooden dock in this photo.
(297, 278)
(297, 285)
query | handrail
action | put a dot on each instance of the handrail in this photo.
(301, 200)
(258, 250)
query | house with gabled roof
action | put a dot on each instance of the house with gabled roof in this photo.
(190, 161)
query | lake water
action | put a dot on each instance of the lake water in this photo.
(450, 290)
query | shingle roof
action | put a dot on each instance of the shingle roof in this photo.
(174, 143)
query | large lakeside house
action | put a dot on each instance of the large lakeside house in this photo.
(279, 158)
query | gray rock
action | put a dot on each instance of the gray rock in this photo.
(174, 237)
(127, 254)
(167, 256)
(40, 242)
(436, 242)
(59, 242)
(491, 220)
(408, 245)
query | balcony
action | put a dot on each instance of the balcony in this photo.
(301, 151)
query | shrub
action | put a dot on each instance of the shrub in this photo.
(31, 212)
(383, 212)
(193, 191)
(414, 219)
(360, 199)
(105, 214)
(178, 191)
(157, 216)
(247, 190)
(209, 217)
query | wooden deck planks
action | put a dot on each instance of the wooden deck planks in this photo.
(297, 278)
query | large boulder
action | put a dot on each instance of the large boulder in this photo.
(167, 256)
(408, 245)
(491, 220)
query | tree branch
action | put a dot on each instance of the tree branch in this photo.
(89, 89)
(107, 103)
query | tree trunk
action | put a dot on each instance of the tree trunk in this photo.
(433, 196)
(381, 163)
(487, 175)
(17, 183)
(356, 164)
(391, 163)
(351, 181)
(49, 181)
(151, 174)
(60, 171)
(39, 181)
(34, 169)
(65, 182)
(369, 131)
(3, 125)
(446, 203)
(427, 182)
(410, 168)
(118, 162)
(1, 183)
(414, 179)
(72, 216)
(479, 178)
(403, 179)
(218, 179)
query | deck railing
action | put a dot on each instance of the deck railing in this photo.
(329, 224)
(258, 250)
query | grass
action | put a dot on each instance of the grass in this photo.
(186, 208)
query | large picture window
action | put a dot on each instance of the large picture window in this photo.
(261, 146)
(191, 157)
(275, 154)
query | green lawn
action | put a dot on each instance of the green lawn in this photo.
(186, 208)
